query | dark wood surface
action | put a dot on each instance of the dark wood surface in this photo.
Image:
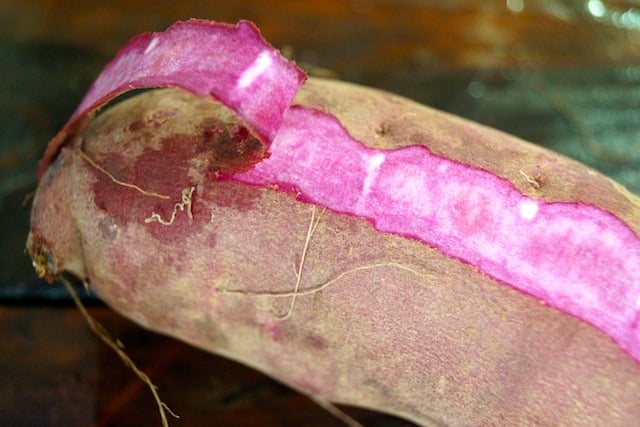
(54, 372)
(551, 73)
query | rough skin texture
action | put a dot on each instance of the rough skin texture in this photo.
(141, 207)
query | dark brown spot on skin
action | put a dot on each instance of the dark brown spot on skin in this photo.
(234, 148)
(136, 125)
(382, 130)
(316, 342)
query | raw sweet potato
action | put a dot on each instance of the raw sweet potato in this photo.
(357, 246)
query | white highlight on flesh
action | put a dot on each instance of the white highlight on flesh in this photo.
(262, 62)
(152, 44)
(528, 209)
(373, 166)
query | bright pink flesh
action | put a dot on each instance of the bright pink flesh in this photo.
(577, 258)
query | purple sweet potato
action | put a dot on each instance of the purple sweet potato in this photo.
(360, 247)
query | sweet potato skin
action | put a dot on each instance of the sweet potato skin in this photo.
(392, 325)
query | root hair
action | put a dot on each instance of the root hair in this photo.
(118, 348)
(96, 166)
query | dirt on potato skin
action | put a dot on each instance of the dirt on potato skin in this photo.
(386, 322)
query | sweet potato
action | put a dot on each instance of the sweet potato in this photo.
(357, 246)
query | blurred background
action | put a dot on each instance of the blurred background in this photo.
(561, 73)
